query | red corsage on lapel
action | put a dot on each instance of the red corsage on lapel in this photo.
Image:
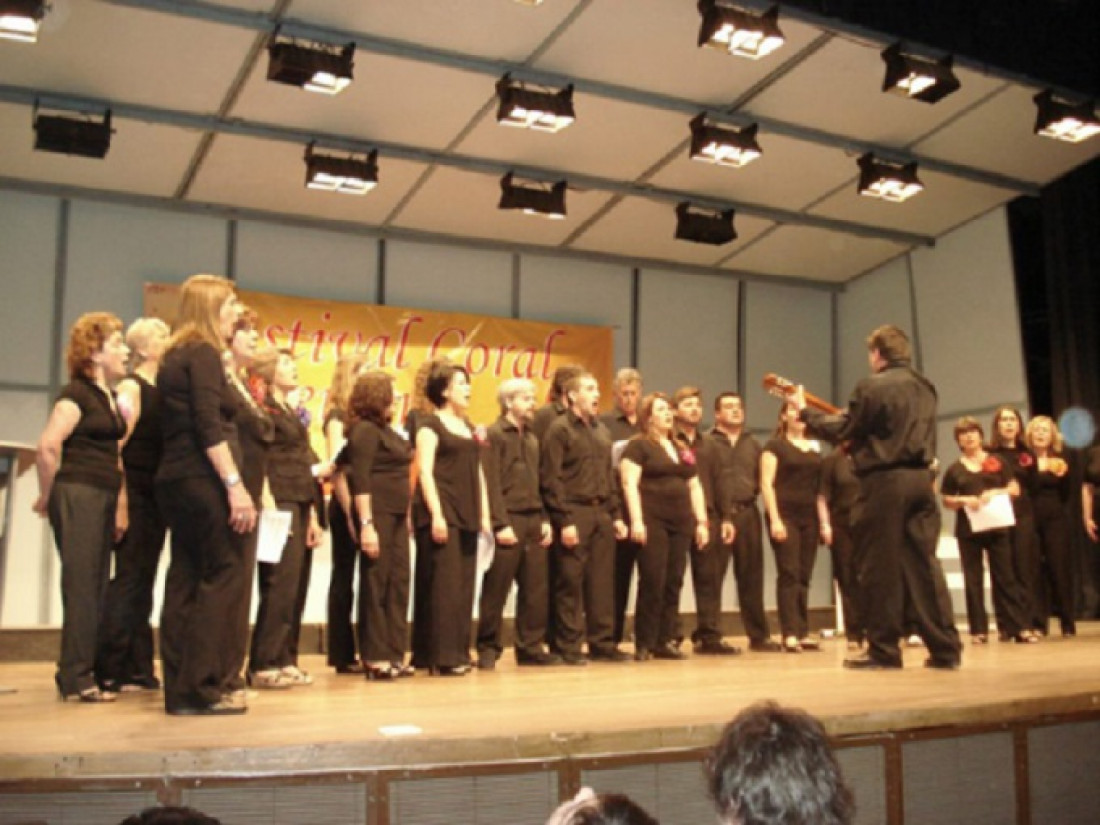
(1026, 459)
(992, 464)
(481, 436)
(687, 457)
(1057, 466)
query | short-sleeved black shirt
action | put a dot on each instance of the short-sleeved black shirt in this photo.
(663, 486)
(839, 484)
(960, 480)
(797, 475)
(379, 462)
(90, 454)
(457, 463)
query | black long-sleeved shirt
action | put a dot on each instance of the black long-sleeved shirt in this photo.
(545, 416)
(575, 468)
(740, 468)
(512, 474)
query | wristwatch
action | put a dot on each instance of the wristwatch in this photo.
(232, 480)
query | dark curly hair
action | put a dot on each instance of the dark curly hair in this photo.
(86, 339)
(371, 398)
(170, 815)
(439, 380)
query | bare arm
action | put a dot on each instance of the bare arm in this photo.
(62, 421)
(631, 474)
(427, 442)
(699, 508)
(1088, 493)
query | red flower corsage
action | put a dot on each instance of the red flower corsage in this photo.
(257, 389)
(992, 465)
(1057, 466)
(1026, 459)
(687, 457)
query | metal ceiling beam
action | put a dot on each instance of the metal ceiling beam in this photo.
(488, 166)
(201, 10)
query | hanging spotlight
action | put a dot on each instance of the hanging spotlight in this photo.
(540, 198)
(1063, 120)
(349, 176)
(890, 181)
(546, 111)
(72, 136)
(704, 225)
(315, 67)
(918, 78)
(722, 146)
(739, 32)
(20, 19)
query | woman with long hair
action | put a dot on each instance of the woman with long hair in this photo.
(79, 483)
(209, 511)
(667, 510)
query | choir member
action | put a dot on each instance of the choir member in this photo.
(836, 497)
(557, 404)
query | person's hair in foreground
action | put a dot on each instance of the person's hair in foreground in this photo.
(170, 815)
(773, 766)
(590, 808)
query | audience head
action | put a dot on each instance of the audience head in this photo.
(590, 808)
(517, 396)
(208, 310)
(891, 344)
(655, 415)
(627, 388)
(773, 766)
(1043, 435)
(96, 347)
(147, 338)
(1007, 427)
(448, 383)
(562, 376)
(170, 815)
(372, 398)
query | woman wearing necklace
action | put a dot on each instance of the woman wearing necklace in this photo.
(457, 507)
(790, 470)
(273, 662)
(79, 483)
(969, 483)
(667, 513)
(125, 658)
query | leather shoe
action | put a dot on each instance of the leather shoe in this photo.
(574, 659)
(668, 651)
(539, 658)
(716, 647)
(766, 646)
(942, 664)
(352, 668)
(487, 660)
(610, 654)
(223, 707)
(867, 663)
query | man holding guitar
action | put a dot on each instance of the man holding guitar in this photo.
(891, 423)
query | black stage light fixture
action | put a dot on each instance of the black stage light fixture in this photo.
(547, 200)
(919, 78)
(349, 176)
(740, 32)
(704, 225)
(67, 135)
(315, 67)
(20, 19)
(722, 146)
(527, 108)
(1064, 120)
(894, 182)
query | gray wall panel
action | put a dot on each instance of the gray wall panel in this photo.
(448, 278)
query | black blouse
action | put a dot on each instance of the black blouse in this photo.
(960, 480)
(90, 454)
(290, 458)
(141, 454)
(839, 484)
(797, 475)
(1051, 494)
(378, 465)
(255, 432)
(663, 486)
(1024, 467)
(457, 464)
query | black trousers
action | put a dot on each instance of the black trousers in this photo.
(794, 561)
(83, 522)
(125, 633)
(453, 576)
(748, 569)
(661, 563)
(1028, 564)
(584, 587)
(422, 597)
(626, 559)
(844, 573)
(708, 570)
(895, 526)
(201, 606)
(341, 590)
(1058, 591)
(384, 592)
(274, 639)
(1008, 596)
(523, 563)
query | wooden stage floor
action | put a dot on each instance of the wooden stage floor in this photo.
(510, 714)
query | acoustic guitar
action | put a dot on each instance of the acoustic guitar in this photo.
(784, 388)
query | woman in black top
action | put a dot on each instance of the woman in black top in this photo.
(81, 495)
(208, 509)
(378, 475)
(1007, 444)
(273, 661)
(790, 468)
(836, 496)
(969, 483)
(667, 512)
(1052, 522)
(125, 658)
(457, 507)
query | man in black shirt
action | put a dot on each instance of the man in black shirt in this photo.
(739, 457)
(556, 404)
(578, 493)
(891, 423)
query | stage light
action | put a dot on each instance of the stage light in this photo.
(919, 78)
(349, 176)
(722, 146)
(546, 111)
(20, 19)
(739, 32)
(315, 67)
(66, 135)
(1064, 120)
(707, 226)
(547, 200)
(893, 182)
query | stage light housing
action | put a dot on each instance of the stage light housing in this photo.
(20, 19)
(723, 146)
(540, 109)
(740, 32)
(348, 176)
(535, 198)
(701, 225)
(69, 135)
(1065, 120)
(894, 182)
(919, 78)
(315, 67)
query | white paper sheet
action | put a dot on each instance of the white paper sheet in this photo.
(994, 515)
(274, 530)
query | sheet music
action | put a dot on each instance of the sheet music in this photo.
(274, 529)
(994, 515)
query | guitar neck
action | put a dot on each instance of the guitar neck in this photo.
(784, 388)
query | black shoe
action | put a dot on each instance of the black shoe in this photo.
(403, 671)
(444, 670)
(382, 673)
(574, 659)
(867, 663)
(716, 647)
(608, 654)
(668, 651)
(539, 657)
(766, 646)
(351, 669)
(224, 707)
(136, 684)
(942, 664)
(487, 660)
(642, 655)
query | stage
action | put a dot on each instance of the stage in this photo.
(566, 724)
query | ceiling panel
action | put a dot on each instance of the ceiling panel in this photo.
(146, 159)
(269, 175)
(817, 254)
(646, 228)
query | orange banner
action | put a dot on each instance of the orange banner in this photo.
(398, 340)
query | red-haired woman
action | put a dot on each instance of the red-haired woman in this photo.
(79, 479)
